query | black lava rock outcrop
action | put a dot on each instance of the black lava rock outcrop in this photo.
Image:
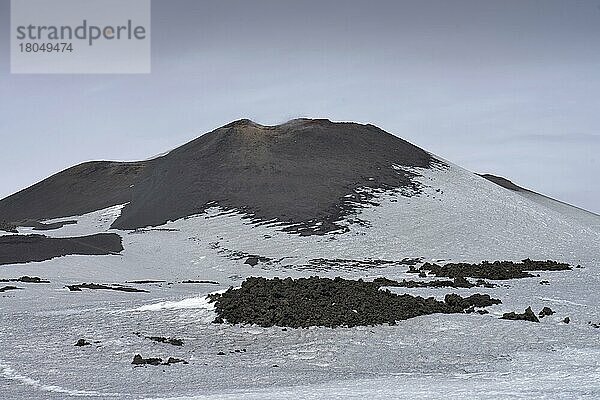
(7, 288)
(546, 311)
(82, 342)
(8, 227)
(26, 279)
(528, 315)
(497, 270)
(168, 340)
(328, 302)
(173, 360)
(19, 249)
(95, 286)
(251, 261)
(139, 360)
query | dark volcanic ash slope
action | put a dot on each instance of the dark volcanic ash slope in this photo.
(298, 172)
(78, 190)
(505, 183)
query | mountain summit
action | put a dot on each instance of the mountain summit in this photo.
(303, 173)
(313, 177)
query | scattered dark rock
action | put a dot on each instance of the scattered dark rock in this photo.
(160, 339)
(173, 360)
(221, 353)
(460, 281)
(139, 360)
(8, 227)
(7, 288)
(328, 302)
(473, 310)
(82, 342)
(252, 261)
(410, 261)
(20, 249)
(327, 264)
(566, 320)
(413, 270)
(545, 312)
(459, 304)
(594, 325)
(481, 283)
(497, 270)
(207, 282)
(26, 279)
(381, 281)
(95, 286)
(528, 315)
(544, 282)
(29, 279)
(139, 231)
(40, 226)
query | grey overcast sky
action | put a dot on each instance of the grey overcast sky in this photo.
(510, 87)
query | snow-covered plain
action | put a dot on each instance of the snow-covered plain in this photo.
(459, 216)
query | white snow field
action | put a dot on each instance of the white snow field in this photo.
(459, 216)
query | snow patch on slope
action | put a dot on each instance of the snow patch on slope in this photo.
(9, 373)
(459, 216)
(529, 378)
(199, 302)
(87, 224)
(583, 216)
